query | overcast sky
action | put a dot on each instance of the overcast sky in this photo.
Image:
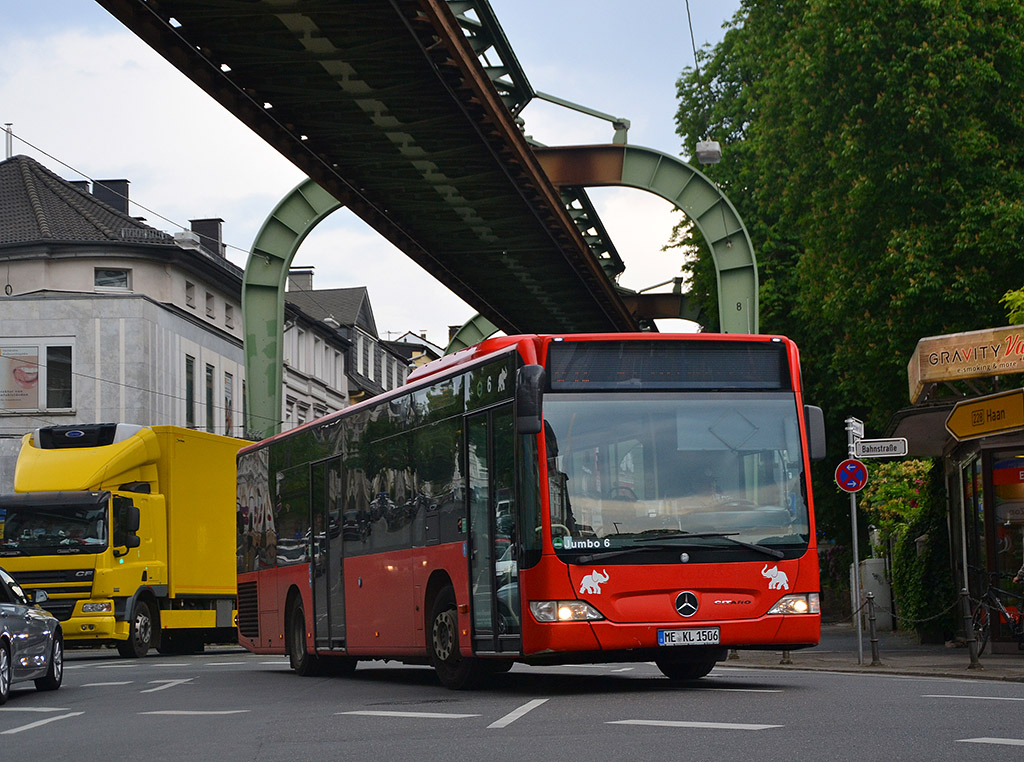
(78, 86)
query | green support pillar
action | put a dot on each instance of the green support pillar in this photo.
(263, 288)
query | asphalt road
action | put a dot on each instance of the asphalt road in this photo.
(228, 705)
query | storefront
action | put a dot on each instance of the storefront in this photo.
(981, 446)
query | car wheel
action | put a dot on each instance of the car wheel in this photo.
(55, 673)
(5, 672)
(140, 633)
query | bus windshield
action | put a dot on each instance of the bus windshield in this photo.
(34, 530)
(631, 469)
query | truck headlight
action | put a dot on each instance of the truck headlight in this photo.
(803, 603)
(97, 608)
(564, 611)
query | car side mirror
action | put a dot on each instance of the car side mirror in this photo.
(37, 597)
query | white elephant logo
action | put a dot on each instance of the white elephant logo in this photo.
(779, 580)
(593, 581)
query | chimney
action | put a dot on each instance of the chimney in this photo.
(211, 234)
(82, 185)
(112, 193)
(300, 279)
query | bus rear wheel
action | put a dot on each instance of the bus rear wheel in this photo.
(303, 662)
(686, 669)
(453, 669)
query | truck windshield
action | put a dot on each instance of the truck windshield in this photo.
(696, 471)
(33, 530)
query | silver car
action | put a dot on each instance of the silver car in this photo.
(31, 641)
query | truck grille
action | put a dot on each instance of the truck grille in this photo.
(74, 584)
(248, 610)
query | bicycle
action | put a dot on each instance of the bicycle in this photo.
(991, 605)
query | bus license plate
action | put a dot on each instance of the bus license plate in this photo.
(696, 636)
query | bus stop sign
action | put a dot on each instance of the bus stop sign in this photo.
(851, 475)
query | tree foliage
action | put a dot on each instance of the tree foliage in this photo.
(874, 150)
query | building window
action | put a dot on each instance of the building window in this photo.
(209, 399)
(35, 376)
(110, 278)
(211, 305)
(245, 411)
(58, 378)
(190, 391)
(190, 295)
(229, 403)
(229, 316)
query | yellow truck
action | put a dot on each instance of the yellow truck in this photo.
(130, 530)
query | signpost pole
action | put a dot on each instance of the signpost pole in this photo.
(855, 432)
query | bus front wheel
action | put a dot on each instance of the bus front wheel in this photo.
(686, 669)
(453, 669)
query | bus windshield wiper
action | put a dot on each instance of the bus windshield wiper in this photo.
(716, 535)
(624, 551)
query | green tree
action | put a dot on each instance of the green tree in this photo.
(874, 149)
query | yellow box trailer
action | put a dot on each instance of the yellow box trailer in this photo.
(131, 532)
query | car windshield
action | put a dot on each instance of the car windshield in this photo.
(629, 469)
(48, 529)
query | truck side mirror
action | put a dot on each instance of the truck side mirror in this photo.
(814, 419)
(134, 522)
(530, 381)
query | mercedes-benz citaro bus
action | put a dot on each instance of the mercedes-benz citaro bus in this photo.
(545, 500)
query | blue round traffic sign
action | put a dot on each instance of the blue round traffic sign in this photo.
(851, 475)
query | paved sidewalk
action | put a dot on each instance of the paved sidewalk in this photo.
(899, 654)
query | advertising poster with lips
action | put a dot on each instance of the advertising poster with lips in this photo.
(19, 378)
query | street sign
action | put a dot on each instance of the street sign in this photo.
(855, 428)
(984, 416)
(880, 448)
(851, 475)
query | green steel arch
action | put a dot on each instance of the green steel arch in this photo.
(263, 289)
(690, 191)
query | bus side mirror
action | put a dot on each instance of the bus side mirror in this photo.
(814, 419)
(530, 380)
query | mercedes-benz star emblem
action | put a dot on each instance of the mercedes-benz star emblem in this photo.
(686, 604)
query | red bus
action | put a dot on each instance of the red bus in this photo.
(544, 500)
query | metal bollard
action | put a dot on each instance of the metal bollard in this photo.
(785, 658)
(972, 643)
(733, 654)
(873, 633)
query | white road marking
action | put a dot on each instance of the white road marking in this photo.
(740, 690)
(166, 684)
(977, 698)
(682, 724)
(39, 723)
(623, 669)
(423, 715)
(514, 715)
(281, 663)
(997, 741)
(102, 685)
(225, 664)
(191, 713)
(32, 709)
(117, 666)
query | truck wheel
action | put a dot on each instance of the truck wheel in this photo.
(453, 670)
(303, 662)
(55, 674)
(140, 633)
(5, 672)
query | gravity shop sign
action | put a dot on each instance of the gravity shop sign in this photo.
(851, 475)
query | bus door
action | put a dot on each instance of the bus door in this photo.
(328, 568)
(494, 583)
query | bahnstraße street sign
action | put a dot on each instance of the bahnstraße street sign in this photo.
(985, 416)
(895, 447)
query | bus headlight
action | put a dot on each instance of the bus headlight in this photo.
(97, 608)
(804, 603)
(564, 611)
